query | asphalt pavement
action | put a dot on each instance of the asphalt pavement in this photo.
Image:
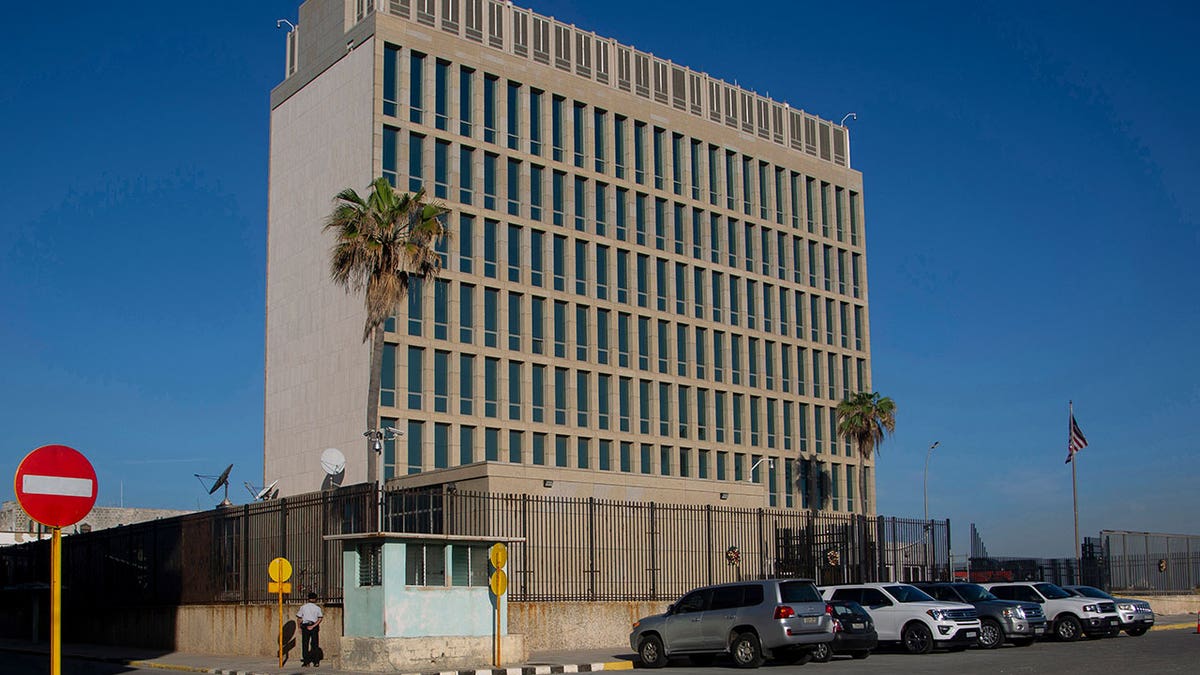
(618, 657)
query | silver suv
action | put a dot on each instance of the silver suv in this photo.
(1070, 617)
(751, 621)
(906, 614)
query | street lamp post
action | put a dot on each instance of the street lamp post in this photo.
(927, 454)
(925, 526)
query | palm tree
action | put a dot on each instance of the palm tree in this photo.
(867, 419)
(383, 242)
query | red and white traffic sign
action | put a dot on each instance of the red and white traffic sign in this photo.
(56, 485)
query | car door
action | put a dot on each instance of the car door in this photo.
(721, 616)
(682, 629)
(888, 616)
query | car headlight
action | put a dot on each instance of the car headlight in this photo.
(1126, 607)
(1014, 613)
(936, 614)
(1095, 609)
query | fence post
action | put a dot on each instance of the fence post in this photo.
(653, 554)
(592, 548)
(762, 546)
(245, 554)
(283, 527)
(708, 558)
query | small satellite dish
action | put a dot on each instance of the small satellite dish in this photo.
(265, 493)
(333, 461)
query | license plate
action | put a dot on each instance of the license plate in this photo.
(810, 619)
(858, 625)
(1039, 631)
(970, 633)
(1113, 622)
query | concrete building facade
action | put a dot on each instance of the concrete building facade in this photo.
(655, 286)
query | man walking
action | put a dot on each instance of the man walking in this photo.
(310, 616)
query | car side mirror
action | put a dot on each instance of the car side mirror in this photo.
(671, 609)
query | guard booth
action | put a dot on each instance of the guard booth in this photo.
(420, 602)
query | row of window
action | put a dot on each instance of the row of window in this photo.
(488, 387)
(530, 190)
(525, 34)
(692, 292)
(816, 482)
(529, 120)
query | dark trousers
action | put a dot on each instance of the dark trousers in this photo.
(310, 644)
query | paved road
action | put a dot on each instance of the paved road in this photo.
(1167, 651)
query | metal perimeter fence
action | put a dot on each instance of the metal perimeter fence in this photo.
(565, 548)
(1150, 562)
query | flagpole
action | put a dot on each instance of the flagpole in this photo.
(1074, 491)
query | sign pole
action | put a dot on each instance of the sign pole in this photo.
(281, 626)
(56, 601)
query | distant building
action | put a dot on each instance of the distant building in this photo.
(17, 527)
(655, 289)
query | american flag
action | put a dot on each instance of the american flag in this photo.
(1077, 442)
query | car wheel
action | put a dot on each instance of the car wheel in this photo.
(861, 654)
(746, 651)
(651, 652)
(1068, 629)
(1135, 632)
(990, 634)
(822, 652)
(1023, 642)
(917, 638)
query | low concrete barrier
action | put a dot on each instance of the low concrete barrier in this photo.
(1167, 604)
(577, 625)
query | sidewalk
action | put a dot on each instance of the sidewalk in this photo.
(540, 663)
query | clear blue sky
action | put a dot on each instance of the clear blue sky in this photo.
(1031, 175)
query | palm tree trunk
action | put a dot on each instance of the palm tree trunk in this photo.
(373, 468)
(862, 481)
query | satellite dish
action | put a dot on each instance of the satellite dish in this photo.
(265, 493)
(222, 481)
(333, 461)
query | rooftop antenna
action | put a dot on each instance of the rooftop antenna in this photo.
(221, 481)
(849, 116)
(333, 462)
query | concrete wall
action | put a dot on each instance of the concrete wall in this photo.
(1168, 604)
(577, 625)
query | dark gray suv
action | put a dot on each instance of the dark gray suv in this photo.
(751, 621)
(999, 620)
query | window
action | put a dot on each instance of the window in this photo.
(514, 187)
(490, 84)
(514, 115)
(538, 385)
(441, 378)
(515, 382)
(560, 329)
(560, 396)
(466, 386)
(416, 86)
(491, 385)
(582, 392)
(581, 267)
(535, 121)
(581, 333)
(466, 81)
(514, 253)
(415, 370)
(416, 150)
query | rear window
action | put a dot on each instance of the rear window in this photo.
(798, 591)
(724, 597)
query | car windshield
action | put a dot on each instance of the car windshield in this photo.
(1090, 592)
(906, 593)
(1051, 591)
(973, 592)
(798, 591)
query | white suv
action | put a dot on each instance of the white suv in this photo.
(908, 615)
(1070, 617)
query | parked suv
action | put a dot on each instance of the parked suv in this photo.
(752, 621)
(906, 614)
(999, 620)
(1070, 617)
(1136, 615)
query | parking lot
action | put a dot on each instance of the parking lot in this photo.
(1159, 651)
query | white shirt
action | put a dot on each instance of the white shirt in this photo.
(309, 613)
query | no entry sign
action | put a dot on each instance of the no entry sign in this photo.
(56, 485)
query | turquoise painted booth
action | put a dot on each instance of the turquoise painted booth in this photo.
(421, 601)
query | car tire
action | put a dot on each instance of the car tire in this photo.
(746, 650)
(1068, 629)
(822, 652)
(991, 635)
(651, 652)
(860, 655)
(917, 638)
(1137, 632)
(1023, 642)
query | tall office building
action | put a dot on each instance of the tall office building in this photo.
(655, 287)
